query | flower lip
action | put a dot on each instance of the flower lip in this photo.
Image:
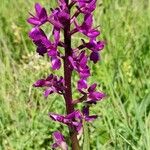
(95, 57)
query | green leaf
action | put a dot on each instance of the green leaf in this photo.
(86, 142)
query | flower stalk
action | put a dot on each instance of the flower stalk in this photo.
(67, 80)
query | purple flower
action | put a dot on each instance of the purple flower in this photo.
(86, 115)
(94, 45)
(82, 84)
(93, 96)
(86, 27)
(62, 4)
(79, 63)
(86, 6)
(94, 56)
(59, 17)
(56, 63)
(40, 39)
(45, 46)
(59, 141)
(73, 120)
(52, 83)
(56, 34)
(40, 16)
(55, 58)
(82, 67)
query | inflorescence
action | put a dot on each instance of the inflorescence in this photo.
(77, 58)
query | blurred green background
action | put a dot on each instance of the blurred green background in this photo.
(123, 74)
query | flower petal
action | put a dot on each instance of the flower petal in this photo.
(38, 8)
(39, 83)
(56, 63)
(94, 56)
(92, 88)
(59, 141)
(82, 84)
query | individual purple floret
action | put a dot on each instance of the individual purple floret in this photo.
(45, 46)
(59, 141)
(40, 17)
(52, 83)
(60, 15)
(40, 39)
(86, 115)
(86, 6)
(79, 63)
(73, 120)
(86, 27)
(92, 95)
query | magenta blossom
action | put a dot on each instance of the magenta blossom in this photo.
(40, 17)
(40, 39)
(52, 83)
(45, 46)
(86, 6)
(86, 27)
(74, 119)
(86, 115)
(93, 96)
(79, 63)
(59, 141)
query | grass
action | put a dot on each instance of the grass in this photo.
(123, 74)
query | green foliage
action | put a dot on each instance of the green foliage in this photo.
(86, 143)
(124, 117)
